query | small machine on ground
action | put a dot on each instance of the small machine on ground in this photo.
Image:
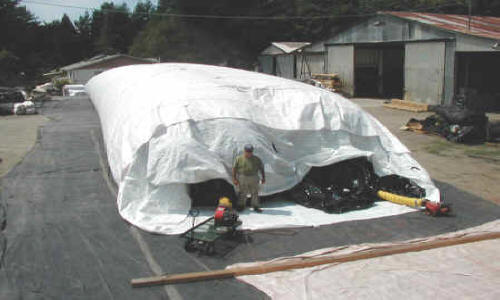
(223, 224)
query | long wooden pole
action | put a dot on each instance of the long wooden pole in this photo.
(310, 262)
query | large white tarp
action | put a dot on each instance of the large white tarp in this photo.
(168, 125)
(467, 271)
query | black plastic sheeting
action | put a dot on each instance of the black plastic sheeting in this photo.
(456, 124)
(65, 238)
(348, 185)
(337, 188)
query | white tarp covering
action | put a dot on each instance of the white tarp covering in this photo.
(468, 271)
(167, 125)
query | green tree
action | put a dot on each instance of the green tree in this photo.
(17, 37)
(84, 29)
(10, 67)
(142, 14)
(111, 29)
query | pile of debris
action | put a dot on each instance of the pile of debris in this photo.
(456, 124)
(351, 185)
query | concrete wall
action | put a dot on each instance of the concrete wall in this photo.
(424, 72)
(341, 61)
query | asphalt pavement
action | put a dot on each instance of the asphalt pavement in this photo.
(64, 239)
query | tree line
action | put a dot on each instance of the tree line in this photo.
(184, 30)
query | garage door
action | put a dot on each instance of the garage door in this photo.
(424, 72)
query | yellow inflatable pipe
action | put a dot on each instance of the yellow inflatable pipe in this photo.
(398, 199)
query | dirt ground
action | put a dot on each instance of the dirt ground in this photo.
(18, 134)
(475, 169)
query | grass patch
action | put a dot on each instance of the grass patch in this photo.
(488, 151)
(443, 147)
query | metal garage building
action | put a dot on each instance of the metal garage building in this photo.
(423, 57)
(294, 60)
(281, 58)
(418, 56)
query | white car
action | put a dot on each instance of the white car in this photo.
(24, 108)
(72, 90)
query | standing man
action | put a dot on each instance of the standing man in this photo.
(245, 176)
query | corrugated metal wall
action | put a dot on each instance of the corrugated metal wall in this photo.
(310, 63)
(449, 76)
(341, 61)
(266, 63)
(285, 66)
(424, 72)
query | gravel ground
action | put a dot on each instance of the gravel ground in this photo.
(17, 135)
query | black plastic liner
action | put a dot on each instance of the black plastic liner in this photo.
(349, 185)
(337, 188)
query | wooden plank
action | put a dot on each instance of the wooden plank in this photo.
(404, 107)
(407, 105)
(310, 262)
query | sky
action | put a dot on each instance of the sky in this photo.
(48, 13)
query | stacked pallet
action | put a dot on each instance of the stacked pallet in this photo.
(407, 105)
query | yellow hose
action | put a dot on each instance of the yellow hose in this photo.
(408, 201)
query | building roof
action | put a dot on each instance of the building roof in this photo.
(102, 58)
(487, 27)
(289, 47)
(284, 47)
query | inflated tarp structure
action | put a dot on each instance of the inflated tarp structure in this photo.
(169, 125)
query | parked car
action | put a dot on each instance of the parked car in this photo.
(9, 98)
(73, 90)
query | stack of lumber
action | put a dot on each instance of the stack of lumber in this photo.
(407, 105)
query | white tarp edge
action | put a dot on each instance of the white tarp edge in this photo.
(468, 271)
(167, 125)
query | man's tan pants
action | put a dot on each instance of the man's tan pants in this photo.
(248, 185)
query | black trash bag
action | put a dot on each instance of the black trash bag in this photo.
(456, 115)
(401, 186)
(347, 200)
(341, 187)
(456, 124)
(331, 199)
